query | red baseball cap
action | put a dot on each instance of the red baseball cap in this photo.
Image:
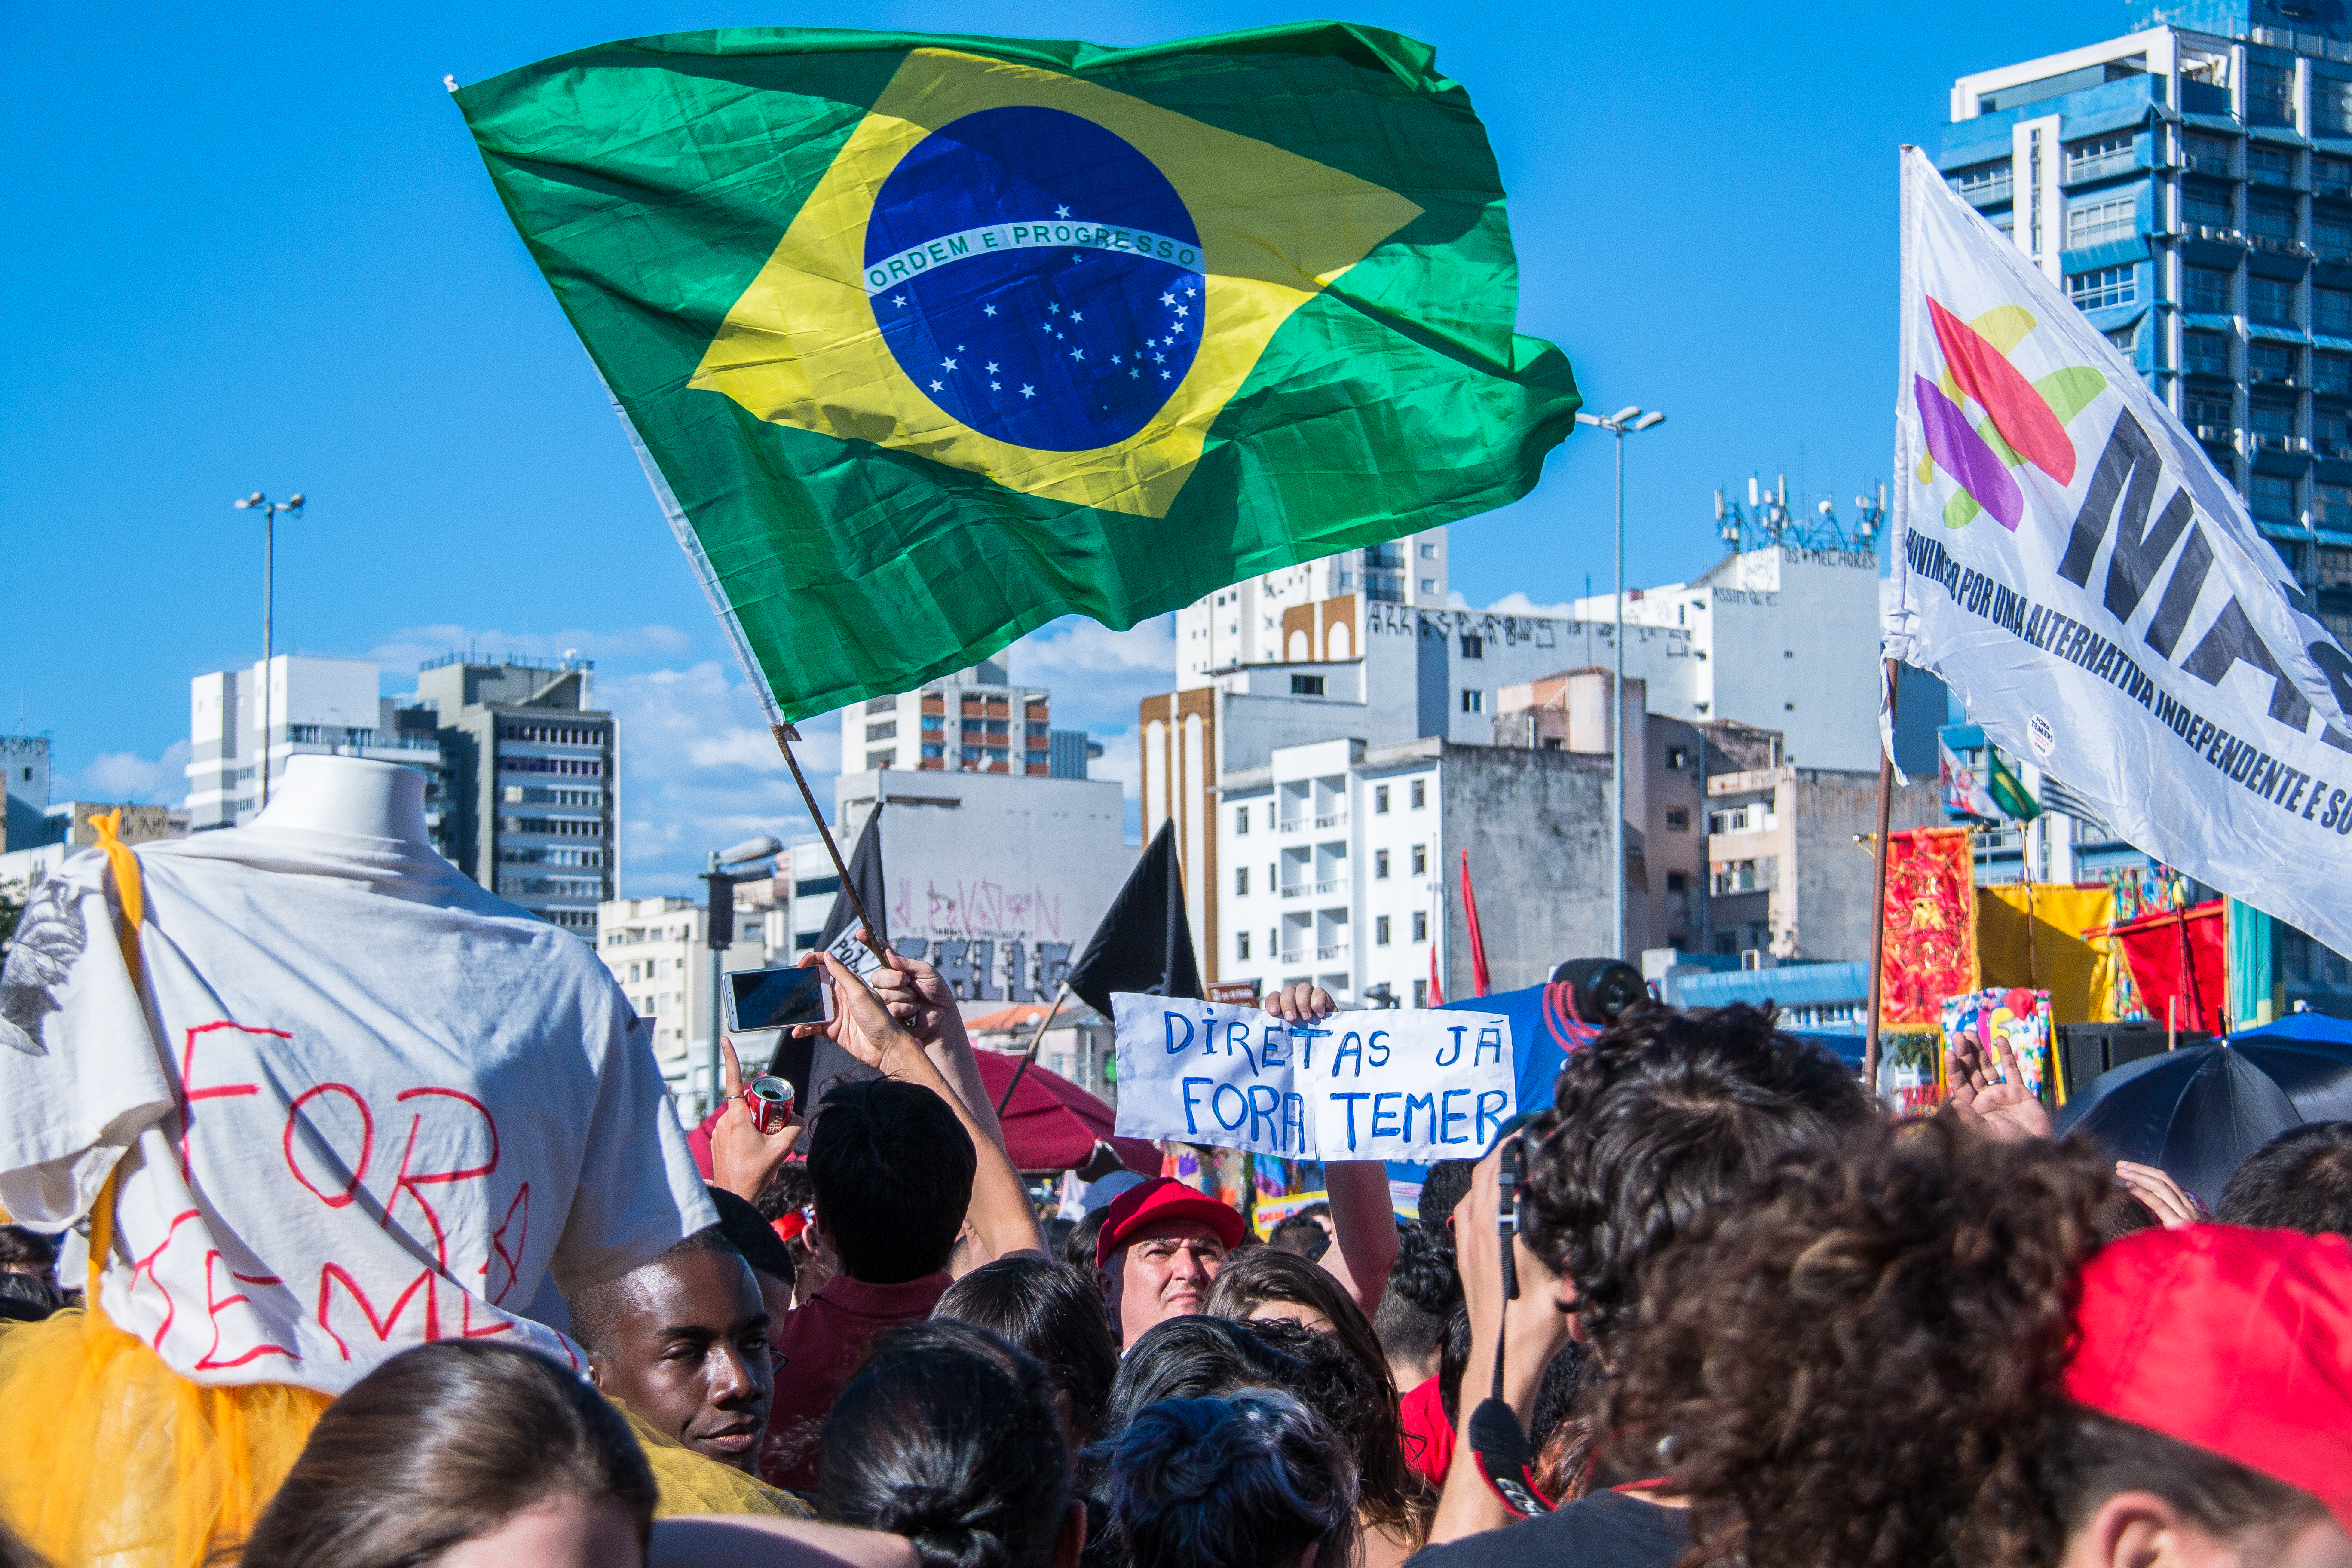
(1164, 1197)
(2234, 1339)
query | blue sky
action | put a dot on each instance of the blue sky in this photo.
(255, 248)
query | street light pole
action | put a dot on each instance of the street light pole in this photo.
(1621, 424)
(718, 935)
(269, 510)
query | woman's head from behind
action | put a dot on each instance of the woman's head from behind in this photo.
(1196, 1357)
(1260, 1282)
(949, 1437)
(1055, 1315)
(1250, 1481)
(461, 1453)
(1358, 1406)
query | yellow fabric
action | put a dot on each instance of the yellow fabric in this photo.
(692, 1483)
(127, 888)
(2031, 934)
(109, 1457)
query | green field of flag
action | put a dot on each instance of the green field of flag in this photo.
(925, 340)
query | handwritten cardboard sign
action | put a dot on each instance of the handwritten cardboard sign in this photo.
(1386, 1085)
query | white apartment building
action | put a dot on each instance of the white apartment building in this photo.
(1783, 637)
(322, 707)
(656, 949)
(1264, 619)
(998, 879)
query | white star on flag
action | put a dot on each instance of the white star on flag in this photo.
(1077, 353)
(1167, 299)
(1177, 328)
(991, 367)
(1028, 392)
(935, 387)
(1115, 359)
(1077, 315)
(1061, 212)
(946, 364)
(899, 300)
(995, 386)
(988, 309)
(1057, 309)
(1183, 309)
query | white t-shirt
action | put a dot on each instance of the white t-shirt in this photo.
(366, 1105)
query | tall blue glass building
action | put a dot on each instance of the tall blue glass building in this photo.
(2190, 188)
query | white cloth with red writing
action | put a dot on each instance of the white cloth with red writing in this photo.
(367, 1105)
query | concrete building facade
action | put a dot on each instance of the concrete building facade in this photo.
(533, 781)
(316, 707)
(656, 949)
(975, 720)
(1271, 618)
(2191, 190)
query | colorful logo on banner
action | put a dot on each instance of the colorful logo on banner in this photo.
(2022, 421)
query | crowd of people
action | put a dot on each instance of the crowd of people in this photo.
(1712, 1306)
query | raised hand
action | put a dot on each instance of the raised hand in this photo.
(1300, 1003)
(744, 1159)
(915, 994)
(2172, 1207)
(1988, 1093)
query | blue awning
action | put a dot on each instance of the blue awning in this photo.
(2280, 135)
(2073, 126)
(1974, 142)
(2277, 334)
(2114, 253)
(2207, 322)
(2228, 122)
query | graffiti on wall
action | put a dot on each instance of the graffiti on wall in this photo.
(991, 943)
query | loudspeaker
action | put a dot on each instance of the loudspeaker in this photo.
(2087, 1050)
(1604, 987)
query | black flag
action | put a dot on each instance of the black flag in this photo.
(840, 933)
(1144, 943)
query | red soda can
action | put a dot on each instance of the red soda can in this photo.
(771, 1102)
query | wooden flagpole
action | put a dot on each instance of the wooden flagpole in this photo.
(1878, 894)
(785, 735)
(1031, 1054)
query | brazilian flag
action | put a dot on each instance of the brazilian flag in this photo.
(926, 341)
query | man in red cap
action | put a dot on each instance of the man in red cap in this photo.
(1159, 1246)
(2214, 1367)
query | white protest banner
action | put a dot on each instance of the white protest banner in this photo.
(2070, 562)
(1388, 1085)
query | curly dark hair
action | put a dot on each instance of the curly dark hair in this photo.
(1664, 1116)
(1861, 1366)
(1358, 1402)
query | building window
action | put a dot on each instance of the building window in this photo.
(2270, 165)
(1241, 944)
(882, 705)
(1380, 865)
(1678, 819)
(1418, 798)
(1428, 584)
(881, 732)
(2274, 423)
(2101, 289)
(1421, 993)
(2207, 353)
(2271, 219)
(1747, 875)
(1429, 552)
(2331, 235)
(1984, 184)
(1473, 645)
(2269, 93)
(1420, 860)
(2205, 154)
(2331, 436)
(2331, 311)
(2209, 206)
(2273, 497)
(2208, 414)
(2127, 340)
(2331, 373)
(2272, 363)
(2331, 507)
(1677, 882)
(1421, 925)
(1307, 686)
(2271, 301)
(936, 752)
(1241, 819)
(2209, 291)
(1473, 700)
(1380, 800)
(2331, 115)
(1379, 930)
(2097, 219)
(2095, 160)
(1677, 756)
(1240, 881)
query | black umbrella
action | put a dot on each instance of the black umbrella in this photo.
(2196, 1112)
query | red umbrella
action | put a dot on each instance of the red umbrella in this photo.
(1051, 1124)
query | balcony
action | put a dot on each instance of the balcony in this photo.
(1336, 819)
(1325, 955)
(2274, 441)
(1291, 823)
(1331, 885)
(1294, 890)
(2217, 435)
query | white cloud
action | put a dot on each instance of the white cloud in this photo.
(700, 771)
(1516, 603)
(127, 776)
(1097, 676)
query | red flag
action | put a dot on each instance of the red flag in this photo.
(1436, 986)
(1478, 983)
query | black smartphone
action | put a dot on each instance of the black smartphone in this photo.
(777, 999)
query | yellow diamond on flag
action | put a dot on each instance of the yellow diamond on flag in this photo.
(1019, 273)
